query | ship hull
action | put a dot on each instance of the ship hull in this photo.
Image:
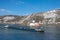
(27, 28)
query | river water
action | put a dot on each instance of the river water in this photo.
(52, 32)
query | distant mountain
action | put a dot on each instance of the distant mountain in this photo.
(49, 16)
(53, 15)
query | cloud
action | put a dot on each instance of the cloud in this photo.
(19, 2)
(4, 10)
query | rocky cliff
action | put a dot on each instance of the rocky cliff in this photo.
(50, 16)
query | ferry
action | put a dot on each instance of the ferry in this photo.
(33, 26)
(24, 28)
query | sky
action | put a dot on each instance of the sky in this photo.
(26, 7)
